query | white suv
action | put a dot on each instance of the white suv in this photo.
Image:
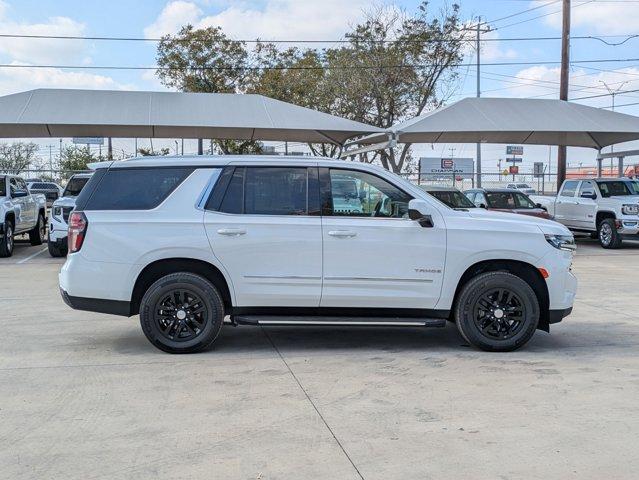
(187, 241)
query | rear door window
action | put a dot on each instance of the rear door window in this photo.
(135, 188)
(569, 189)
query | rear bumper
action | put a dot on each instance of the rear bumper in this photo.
(99, 305)
(556, 316)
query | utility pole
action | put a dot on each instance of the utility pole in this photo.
(563, 88)
(110, 149)
(479, 31)
(200, 147)
(613, 93)
(51, 159)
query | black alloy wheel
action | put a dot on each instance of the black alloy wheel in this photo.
(182, 313)
(497, 311)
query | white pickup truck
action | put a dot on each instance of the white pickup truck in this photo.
(607, 208)
(20, 212)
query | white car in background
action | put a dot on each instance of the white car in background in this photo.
(522, 187)
(52, 191)
(60, 211)
(186, 241)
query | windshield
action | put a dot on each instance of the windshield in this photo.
(523, 185)
(618, 187)
(508, 200)
(75, 186)
(452, 198)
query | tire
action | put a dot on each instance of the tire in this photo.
(56, 251)
(177, 329)
(38, 233)
(7, 240)
(497, 312)
(608, 235)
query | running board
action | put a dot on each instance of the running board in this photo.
(338, 321)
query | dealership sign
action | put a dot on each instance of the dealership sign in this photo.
(443, 168)
(514, 150)
(88, 140)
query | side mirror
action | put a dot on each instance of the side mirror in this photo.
(419, 211)
(590, 195)
(482, 205)
(20, 193)
(539, 205)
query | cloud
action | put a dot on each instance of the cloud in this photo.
(277, 20)
(14, 80)
(42, 50)
(611, 18)
(543, 82)
(174, 15)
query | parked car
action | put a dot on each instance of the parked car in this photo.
(522, 187)
(449, 196)
(50, 190)
(60, 211)
(258, 239)
(607, 208)
(507, 200)
(20, 212)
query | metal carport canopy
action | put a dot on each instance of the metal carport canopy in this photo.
(517, 121)
(129, 114)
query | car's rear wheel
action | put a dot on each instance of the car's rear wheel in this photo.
(6, 242)
(182, 313)
(38, 234)
(497, 311)
(608, 235)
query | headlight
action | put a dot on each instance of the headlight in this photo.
(630, 209)
(56, 212)
(562, 242)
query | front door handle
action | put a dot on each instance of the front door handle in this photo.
(342, 233)
(231, 232)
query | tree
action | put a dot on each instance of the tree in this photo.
(149, 152)
(392, 66)
(17, 157)
(74, 158)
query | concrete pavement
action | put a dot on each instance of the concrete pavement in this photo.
(85, 396)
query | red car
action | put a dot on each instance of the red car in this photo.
(506, 200)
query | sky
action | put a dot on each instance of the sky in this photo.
(612, 21)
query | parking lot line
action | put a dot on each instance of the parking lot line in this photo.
(33, 255)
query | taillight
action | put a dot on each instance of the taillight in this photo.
(77, 231)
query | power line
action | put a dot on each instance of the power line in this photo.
(540, 16)
(607, 94)
(337, 67)
(523, 11)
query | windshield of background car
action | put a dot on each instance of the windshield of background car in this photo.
(452, 199)
(617, 187)
(3, 186)
(523, 185)
(75, 186)
(508, 200)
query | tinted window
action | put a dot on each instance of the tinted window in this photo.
(267, 191)
(618, 187)
(569, 189)
(44, 186)
(135, 189)
(3, 186)
(75, 186)
(360, 194)
(233, 201)
(13, 186)
(508, 200)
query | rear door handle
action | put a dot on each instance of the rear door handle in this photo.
(231, 232)
(342, 233)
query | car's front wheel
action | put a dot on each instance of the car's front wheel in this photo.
(608, 235)
(6, 241)
(182, 313)
(497, 311)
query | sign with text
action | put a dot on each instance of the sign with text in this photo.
(513, 169)
(88, 140)
(437, 168)
(538, 169)
(514, 150)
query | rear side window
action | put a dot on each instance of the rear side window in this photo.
(569, 189)
(134, 188)
(3, 186)
(266, 191)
